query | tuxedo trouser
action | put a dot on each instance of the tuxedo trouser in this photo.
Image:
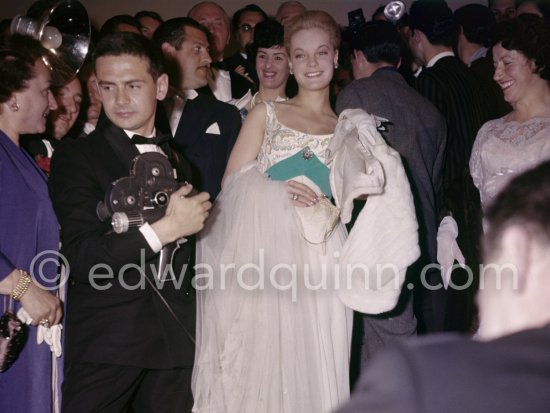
(105, 388)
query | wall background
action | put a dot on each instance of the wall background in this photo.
(101, 10)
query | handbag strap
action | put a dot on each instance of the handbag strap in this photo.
(9, 307)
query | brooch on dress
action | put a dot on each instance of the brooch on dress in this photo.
(307, 153)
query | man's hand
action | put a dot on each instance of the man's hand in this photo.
(184, 215)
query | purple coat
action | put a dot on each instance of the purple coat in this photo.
(28, 227)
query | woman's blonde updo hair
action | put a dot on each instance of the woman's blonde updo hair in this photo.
(313, 19)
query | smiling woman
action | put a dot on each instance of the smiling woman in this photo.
(29, 228)
(520, 140)
(276, 339)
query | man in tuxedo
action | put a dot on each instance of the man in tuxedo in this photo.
(244, 20)
(508, 371)
(476, 23)
(417, 131)
(445, 82)
(226, 85)
(204, 128)
(129, 340)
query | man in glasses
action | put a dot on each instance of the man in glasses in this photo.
(225, 84)
(244, 21)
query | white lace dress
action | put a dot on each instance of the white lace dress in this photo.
(503, 149)
(272, 334)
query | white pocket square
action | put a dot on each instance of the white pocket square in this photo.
(213, 129)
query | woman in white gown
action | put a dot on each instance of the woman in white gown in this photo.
(507, 146)
(272, 334)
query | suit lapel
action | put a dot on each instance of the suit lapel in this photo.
(123, 148)
(193, 122)
(239, 85)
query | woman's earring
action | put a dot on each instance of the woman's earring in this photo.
(336, 65)
(291, 71)
(15, 107)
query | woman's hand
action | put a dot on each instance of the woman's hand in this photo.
(301, 194)
(41, 305)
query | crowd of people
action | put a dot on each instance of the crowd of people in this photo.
(331, 194)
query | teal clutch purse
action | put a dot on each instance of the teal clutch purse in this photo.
(306, 163)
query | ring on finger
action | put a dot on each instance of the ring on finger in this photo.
(295, 196)
(45, 323)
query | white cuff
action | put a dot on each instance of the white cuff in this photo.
(151, 237)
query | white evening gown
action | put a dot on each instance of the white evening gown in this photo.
(504, 149)
(280, 345)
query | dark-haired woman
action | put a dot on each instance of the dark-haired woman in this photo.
(27, 221)
(271, 62)
(520, 140)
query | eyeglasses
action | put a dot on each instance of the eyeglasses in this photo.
(247, 28)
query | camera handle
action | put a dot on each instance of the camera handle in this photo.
(165, 259)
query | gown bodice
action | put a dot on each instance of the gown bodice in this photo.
(281, 142)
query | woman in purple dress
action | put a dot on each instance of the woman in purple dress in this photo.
(29, 229)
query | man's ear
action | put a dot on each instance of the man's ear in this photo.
(416, 37)
(359, 57)
(168, 50)
(516, 249)
(97, 89)
(162, 86)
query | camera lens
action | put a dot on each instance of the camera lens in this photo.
(160, 199)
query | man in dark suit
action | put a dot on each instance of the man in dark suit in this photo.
(444, 81)
(417, 131)
(244, 20)
(509, 370)
(476, 23)
(129, 339)
(226, 84)
(204, 128)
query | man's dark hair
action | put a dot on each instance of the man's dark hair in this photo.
(118, 44)
(529, 35)
(379, 41)
(477, 22)
(147, 13)
(435, 19)
(110, 25)
(524, 201)
(172, 31)
(236, 21)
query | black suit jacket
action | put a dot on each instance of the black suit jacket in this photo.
(450, 374)
(207, 152)
(239, 86)
(114, 324)
(237, 60)
(448, 86)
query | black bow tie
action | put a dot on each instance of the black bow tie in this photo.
(155, 140)
(220, 65)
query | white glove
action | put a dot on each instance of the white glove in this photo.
(51, 335)
(447, 249)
